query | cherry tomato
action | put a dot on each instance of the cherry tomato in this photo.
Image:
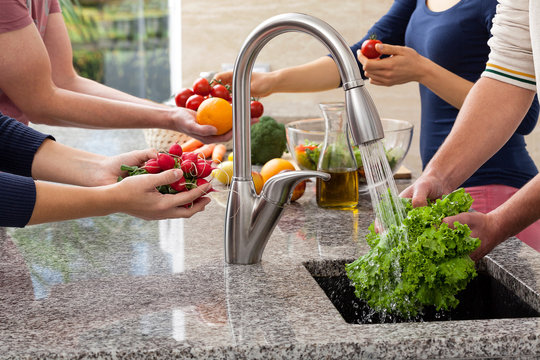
(201, 86)
(368, 48)
(220, 91)
(194, 101)
(181, 98)
(257, 109)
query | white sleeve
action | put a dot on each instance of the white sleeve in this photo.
(511, 56)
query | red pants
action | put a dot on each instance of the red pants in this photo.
(489, 197)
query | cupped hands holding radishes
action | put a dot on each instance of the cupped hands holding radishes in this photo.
(167, 185)
(138, 196)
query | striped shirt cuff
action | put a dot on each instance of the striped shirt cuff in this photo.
(504, 74)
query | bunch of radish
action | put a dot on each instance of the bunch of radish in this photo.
(194, 166)
(203, 89)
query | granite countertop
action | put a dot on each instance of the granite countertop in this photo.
(120, 287)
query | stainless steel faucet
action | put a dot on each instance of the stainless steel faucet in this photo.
(251, 218)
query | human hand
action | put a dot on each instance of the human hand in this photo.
(483, 226)
(402, 65)
(185, 121)
(138, 196)
(107, 170)
(261, 83)
(425, 187)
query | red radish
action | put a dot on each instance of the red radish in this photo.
(165, 161)
(179, 185)
(175, 149)
(152, 166)
(191, 156)
(204, 168)
(201, 182)
(188, 167)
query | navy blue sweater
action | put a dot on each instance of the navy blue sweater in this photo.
(18, 144)
(456, 39)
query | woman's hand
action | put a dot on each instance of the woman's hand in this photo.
(184, 121)
(403, 65)
(138, 196)
(134, 195)
(108, 170)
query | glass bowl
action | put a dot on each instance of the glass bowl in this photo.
(304, 138)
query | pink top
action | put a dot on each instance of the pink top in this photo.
(15, 15)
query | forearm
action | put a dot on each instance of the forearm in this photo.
(489, 116)
(82, 85)
(448, 86)
(321, 74)
(520, 211)
(66, 108)
(58, 202)
(56, 162)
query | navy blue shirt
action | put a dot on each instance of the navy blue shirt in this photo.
(455, 39)
(18, 145)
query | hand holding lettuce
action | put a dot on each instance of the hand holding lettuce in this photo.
(400, 275)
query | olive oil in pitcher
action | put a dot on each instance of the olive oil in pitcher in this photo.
(337, 159)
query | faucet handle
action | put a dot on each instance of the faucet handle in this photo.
(278, 189)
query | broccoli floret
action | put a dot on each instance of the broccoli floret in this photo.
(268, 140)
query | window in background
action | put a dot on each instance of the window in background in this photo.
(123, 44)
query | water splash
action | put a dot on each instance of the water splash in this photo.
(382, 188)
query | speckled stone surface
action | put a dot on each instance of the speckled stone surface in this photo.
(119, 287)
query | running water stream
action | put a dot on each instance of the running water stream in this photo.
(382, 188)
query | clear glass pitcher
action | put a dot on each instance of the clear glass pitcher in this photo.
(337, 159)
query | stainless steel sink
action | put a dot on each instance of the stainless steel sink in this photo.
(486, 297)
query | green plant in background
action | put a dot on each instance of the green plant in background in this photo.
(121, 43)
(81, 27)
(89, 64)
(84, 34)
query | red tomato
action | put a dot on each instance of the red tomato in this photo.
(368, 48)
(220, 91)
(302, 148)
(257, 109)
(194, 101)
(201, 86)
(181, 98)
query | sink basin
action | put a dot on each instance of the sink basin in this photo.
(484, 298)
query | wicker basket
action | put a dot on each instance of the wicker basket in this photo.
(162, 140)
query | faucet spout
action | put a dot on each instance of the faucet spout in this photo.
(245, 237)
